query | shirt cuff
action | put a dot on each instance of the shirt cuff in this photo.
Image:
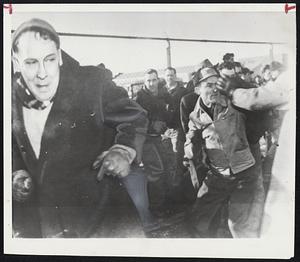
(126, 151)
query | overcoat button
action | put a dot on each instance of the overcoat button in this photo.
(23, 150)
(92, 113)
(60, 124)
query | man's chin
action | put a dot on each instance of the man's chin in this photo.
(44, 97)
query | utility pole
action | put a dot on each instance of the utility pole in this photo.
(168, 53)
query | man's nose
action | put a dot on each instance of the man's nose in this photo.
(42, 73)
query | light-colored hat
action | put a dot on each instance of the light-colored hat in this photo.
(203, 64)
(207, 70)
(32, 24)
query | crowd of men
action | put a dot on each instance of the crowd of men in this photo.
(204, 149)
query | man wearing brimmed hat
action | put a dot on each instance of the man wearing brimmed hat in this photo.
(233, 177)
(70, 126)
(188, 101)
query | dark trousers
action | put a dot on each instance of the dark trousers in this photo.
(160, 166)
(243, 193)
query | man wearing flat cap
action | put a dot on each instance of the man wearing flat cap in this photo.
(70, 127)
(234, 178)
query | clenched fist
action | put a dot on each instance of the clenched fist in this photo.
(226, 86)
(22, 185)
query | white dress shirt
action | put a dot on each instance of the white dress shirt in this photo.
(34, 121)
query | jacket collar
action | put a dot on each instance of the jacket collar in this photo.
(220, 107)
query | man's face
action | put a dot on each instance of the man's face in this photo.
(227, 73)
(238, 71)
(208, 91)
(151, 82)
(274, 74)
(231, 59)
(38, 61)
(267, 75)
(170, 77)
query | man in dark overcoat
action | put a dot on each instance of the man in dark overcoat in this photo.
(70, 126)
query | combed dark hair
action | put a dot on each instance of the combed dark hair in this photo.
(43, 33)
(266, 67)
(227, 56)
(151, 71)
(171, 69)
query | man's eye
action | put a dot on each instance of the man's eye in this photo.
(30, 62)
(51, 59)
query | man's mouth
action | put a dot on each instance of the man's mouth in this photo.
(43, 88)
(42, 85)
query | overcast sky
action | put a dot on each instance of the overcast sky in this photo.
(137, 55)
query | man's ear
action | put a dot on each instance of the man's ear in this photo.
(60, 57)
(16, 65)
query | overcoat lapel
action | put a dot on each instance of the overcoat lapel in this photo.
(19, 131)
(62, 104)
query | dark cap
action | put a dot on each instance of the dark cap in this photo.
(36, 24)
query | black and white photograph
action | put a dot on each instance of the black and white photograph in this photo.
(162, 130)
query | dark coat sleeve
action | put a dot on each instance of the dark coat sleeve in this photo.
(125, 116)
(187, 105)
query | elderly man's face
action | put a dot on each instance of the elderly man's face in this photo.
(170, 77)
(151, 82)
(208, 91)
(38, 61)
(275, 74)
(267, 75)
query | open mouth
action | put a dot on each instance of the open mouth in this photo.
(42, 87)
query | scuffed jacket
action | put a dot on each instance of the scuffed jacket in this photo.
(225, 139)
(88, 116)
(273, 94)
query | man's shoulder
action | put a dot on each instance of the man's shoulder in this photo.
(142, 93)
(190, 98)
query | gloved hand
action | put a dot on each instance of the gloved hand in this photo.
(22, 185)
(226, 86)
(115, 162)
(159, 126)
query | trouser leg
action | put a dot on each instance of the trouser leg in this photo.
(246, 207)
(136, 186)
(204, 220)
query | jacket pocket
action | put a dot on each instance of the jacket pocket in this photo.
(241, 160)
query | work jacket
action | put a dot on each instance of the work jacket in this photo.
(224, 136)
